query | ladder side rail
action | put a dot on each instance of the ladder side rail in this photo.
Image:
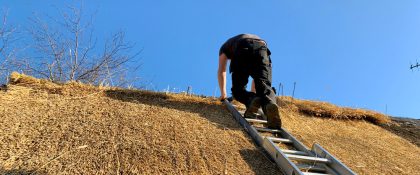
(334, 167)
(288, 167)
(269, 146)
(251, 130)
(335, 164)
(296, 143)
(329, 170)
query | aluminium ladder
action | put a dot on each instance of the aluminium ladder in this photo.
(298, 160)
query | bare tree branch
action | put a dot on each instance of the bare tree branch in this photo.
(69, 53)
(7, 50)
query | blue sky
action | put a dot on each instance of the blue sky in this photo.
(350, 53)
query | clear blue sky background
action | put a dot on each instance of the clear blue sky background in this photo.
(350, 53)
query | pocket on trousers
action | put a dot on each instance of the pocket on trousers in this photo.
(263, 56)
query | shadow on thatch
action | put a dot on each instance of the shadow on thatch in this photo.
(206, 108)
(406, 128)
(256, 165)
(21, 172)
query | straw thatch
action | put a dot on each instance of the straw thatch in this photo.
(48, 128)
(328, 110)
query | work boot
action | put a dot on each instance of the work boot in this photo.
(253, 107)
(272, 112)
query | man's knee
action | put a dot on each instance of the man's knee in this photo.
(242, 95)
(238, 91)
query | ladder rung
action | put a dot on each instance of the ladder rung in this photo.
(267, 130)
(307, 158)
(309, 173)
(255, 120)
(307, 167)
(306, 163)
(279, 140)
(243, 112)
(288, 151)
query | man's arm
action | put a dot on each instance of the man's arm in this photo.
(221, 75)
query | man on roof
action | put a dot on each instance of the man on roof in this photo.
(249, 56)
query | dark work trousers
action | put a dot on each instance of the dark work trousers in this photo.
(252, 58)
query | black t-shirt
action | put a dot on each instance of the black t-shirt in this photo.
(228, 46)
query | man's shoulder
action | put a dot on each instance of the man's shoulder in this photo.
(242, 36)
(246, 35)
(253, 36)
(227, 47)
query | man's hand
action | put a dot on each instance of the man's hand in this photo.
(223, 97)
